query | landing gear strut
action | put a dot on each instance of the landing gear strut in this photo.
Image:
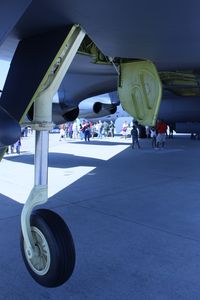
(46, 243)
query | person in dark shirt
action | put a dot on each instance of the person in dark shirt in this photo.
(134, 135)
(86, 130)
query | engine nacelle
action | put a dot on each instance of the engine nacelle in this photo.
(63, 114)
(60, 113)
(101, 108)
(91, 110)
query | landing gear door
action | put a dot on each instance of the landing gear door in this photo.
(140, 91)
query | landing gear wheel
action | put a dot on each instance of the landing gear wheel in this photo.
(54, 259)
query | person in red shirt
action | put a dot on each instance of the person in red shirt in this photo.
(161, 129)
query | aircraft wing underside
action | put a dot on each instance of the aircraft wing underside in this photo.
(166, 34)
(82, 49)
(140, 31)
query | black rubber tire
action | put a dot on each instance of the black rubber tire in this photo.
(61, 248)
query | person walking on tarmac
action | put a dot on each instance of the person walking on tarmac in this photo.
(134, 135)
(153, 137)
(161, 129)
(86, 130)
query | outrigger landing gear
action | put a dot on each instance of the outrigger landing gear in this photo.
(46, 242)
(53, 260)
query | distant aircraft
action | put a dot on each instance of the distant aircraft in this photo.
(82, 50)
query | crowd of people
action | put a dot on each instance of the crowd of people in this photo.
(86, 130)
(157, 134)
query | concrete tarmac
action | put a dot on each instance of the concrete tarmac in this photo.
(134, 216)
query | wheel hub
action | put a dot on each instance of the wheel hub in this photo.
(40, 260)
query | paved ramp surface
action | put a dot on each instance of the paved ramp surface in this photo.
(134, 216)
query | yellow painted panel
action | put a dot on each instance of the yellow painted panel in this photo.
(140, 90)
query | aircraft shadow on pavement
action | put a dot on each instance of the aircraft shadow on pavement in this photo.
(58, 160)
(7, 204)
(101, 143)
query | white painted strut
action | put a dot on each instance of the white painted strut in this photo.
(42, 123)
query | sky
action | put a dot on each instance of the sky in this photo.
(4, 66)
